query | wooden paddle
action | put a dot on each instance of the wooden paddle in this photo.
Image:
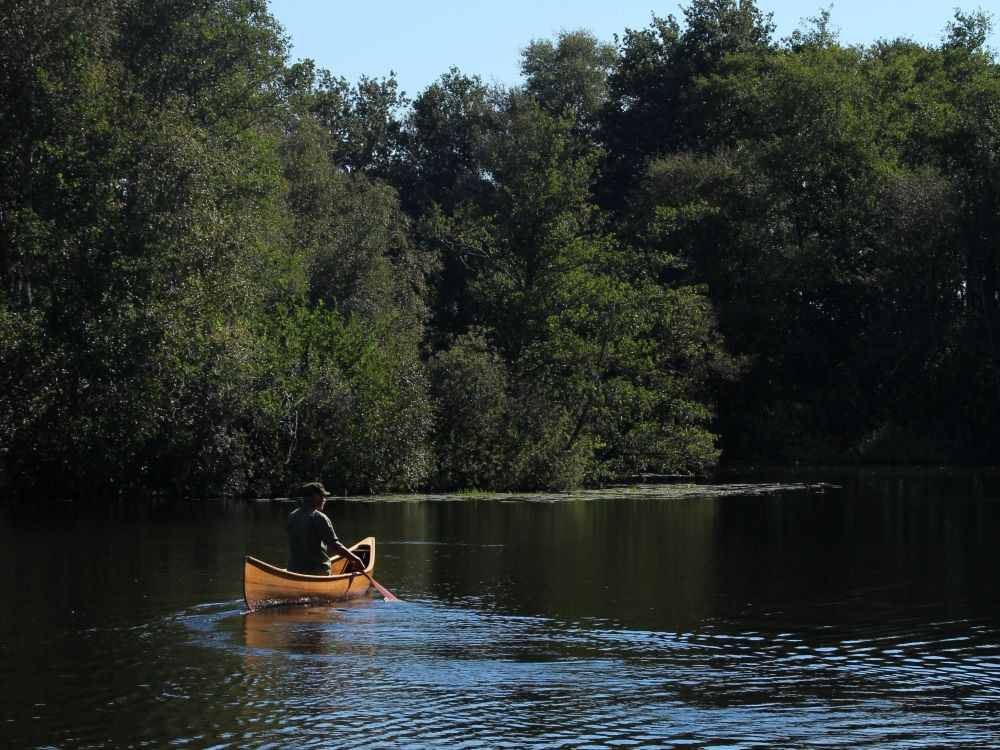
(389, 596)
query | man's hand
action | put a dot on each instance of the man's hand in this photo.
(354, 562)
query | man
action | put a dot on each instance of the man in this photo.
(311, 538)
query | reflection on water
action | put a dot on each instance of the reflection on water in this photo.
(785, 615)
(300, 629)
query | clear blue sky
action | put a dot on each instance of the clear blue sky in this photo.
(421, 39)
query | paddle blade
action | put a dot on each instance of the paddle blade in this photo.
(388, 595)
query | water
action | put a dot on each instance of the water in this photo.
(730, 616)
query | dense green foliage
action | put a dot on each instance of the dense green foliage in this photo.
(840, 204)
(223, 272)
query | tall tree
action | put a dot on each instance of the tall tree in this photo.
(363, 120)
(605, 362)
(657, 103)
(570, 77)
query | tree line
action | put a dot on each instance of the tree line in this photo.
(224, 272)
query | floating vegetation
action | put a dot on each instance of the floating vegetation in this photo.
(639, 491)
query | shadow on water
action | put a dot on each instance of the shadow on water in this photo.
(840, 609)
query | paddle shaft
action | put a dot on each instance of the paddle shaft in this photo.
(389, 596)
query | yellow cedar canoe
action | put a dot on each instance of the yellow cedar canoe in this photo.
(265, 585)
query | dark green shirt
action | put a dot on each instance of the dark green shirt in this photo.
(310, 536)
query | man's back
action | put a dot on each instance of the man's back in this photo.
(310, 533)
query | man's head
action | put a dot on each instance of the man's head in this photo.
(314, 494)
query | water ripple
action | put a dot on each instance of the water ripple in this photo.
(429, 674)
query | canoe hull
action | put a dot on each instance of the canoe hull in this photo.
(266, 585)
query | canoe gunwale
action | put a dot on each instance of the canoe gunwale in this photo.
(290, 576)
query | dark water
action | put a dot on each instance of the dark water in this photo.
(731, 616)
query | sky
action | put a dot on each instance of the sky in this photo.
(422, 39)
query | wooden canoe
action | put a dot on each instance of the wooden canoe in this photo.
(265, 585)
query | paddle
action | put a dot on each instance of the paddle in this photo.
(389, 596)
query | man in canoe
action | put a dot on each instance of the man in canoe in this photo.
(311, 538)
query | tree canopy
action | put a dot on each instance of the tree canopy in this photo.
(222, 272)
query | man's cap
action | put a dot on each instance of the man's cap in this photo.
(314, 488)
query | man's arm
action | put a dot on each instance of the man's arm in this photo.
(333, 545)
(338, 548)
